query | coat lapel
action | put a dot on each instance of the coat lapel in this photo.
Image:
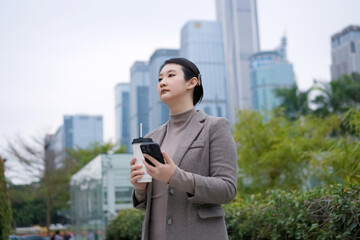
(159, 134)
(192, 131)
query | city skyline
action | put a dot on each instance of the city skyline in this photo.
(239, 20)
(62, 57)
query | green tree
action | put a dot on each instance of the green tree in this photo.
(79, 157)
(276, 153)
(295, 154)
(338, 95)
(5, 208)
(33, 156)
(341, 161)
(294, 103)
(28, 205)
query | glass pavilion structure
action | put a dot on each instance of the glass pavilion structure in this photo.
(98, 192)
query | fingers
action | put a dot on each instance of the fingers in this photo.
(135, 167)
(132, 162)
(136, 175)
(136, 172)
(166, 158)
(151, 159)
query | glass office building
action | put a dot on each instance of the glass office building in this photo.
(139, 99)
(269, 70)
(202, 43)
(98, 192)
(159, 112)
(82, 130)
(76, 131)
(122, 115)
(241, 40)
(345, 52)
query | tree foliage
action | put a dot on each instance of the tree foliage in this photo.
(28, 205)
(286, 154)
(294, 102)
(79, 157)
(5, 209)
(336, 96)
(32, 155)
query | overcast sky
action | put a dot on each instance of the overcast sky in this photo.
(66, 56)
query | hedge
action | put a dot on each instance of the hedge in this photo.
(323, 213)
(5, 209)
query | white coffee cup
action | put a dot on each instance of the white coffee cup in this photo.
(140, 157)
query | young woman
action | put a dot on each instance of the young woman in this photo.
(185, 196)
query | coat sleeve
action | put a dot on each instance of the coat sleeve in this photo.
(220, 186)
(139, 199)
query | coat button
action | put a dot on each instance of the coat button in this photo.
(171, 191)
(169, 221)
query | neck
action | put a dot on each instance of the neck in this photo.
(180, 108)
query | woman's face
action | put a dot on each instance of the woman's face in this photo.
(172, 85)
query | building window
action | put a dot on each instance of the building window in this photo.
(123, 195)
(352, 47)
(105, 195)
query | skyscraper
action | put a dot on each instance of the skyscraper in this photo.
(122, 115)
(77, 131)
(159, 112)
(345, 52)
(241, 40)
(55, 148)
(202, 43)
(270, 70)
(82, 130)
(139, 99)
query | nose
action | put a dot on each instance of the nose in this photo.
(162, 83)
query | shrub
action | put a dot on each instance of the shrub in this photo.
(331, 213)
(126, 226)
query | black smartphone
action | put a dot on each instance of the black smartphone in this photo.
(152, 149)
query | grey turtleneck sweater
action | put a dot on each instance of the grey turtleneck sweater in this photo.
(174, 133)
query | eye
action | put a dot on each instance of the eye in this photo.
(160, 79)
(171, 75)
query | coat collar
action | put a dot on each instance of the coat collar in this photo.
(192, 131)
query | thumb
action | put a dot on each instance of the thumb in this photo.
(167, 159)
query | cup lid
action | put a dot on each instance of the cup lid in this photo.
(141, 140)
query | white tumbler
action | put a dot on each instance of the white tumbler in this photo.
(139, 157)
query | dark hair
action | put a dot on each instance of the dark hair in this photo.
(190, 70)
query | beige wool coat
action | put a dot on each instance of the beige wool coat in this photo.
(207, 149)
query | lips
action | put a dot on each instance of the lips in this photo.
(164, 91)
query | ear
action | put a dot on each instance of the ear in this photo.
(191, 83)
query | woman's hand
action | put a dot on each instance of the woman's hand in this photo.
(161, 172)
(135, 174)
